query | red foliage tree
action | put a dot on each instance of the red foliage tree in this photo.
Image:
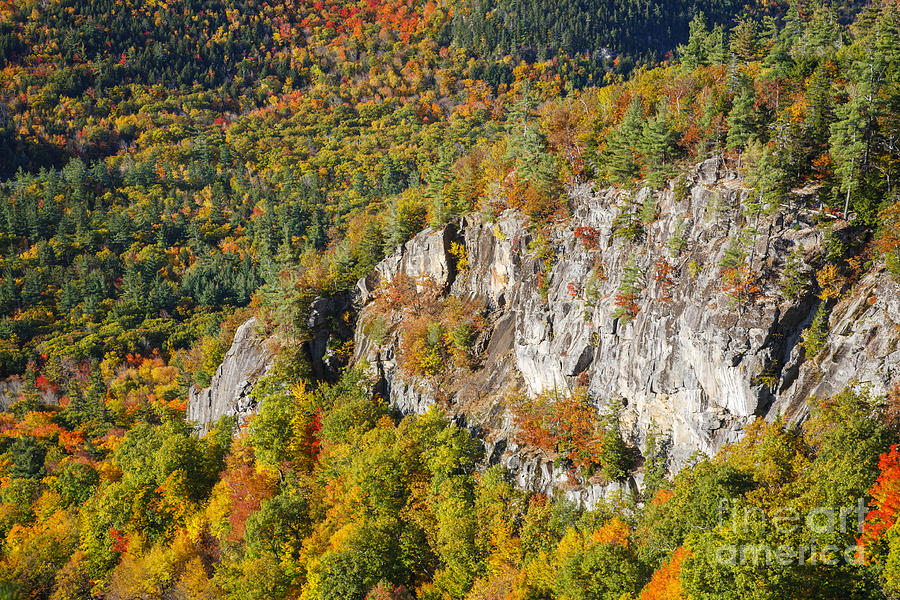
(885, 502)
(569, 427)
(663, 276)
(247, 486)
(588, 236)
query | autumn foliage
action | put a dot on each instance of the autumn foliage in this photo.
(170, 169)
(573, 429)
(885, 505)
(666, 583)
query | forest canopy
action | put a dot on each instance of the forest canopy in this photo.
(170, 169)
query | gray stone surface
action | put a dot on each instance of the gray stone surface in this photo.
(327, 324)
(863, 349)
(694, 365)
(228, 393)
(330, 322)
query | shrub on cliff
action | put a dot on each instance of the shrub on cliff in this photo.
(572, 430)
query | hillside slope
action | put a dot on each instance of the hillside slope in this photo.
(693, 357)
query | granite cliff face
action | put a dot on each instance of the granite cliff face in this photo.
(695, 364)
(228, 394)
(251, 356)
(696, 361)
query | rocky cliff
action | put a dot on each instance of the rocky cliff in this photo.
(252, 355)
(228, 394)
(692, 358)
(627, 298)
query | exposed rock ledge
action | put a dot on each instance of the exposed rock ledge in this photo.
(228, 393)
(693, 365)
(251, 356)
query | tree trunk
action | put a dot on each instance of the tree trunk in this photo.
(847, 203)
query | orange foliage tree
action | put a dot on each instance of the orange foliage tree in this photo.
(666, 581)
(569, 427)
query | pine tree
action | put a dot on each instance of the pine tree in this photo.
(391, 177)
(744, 43)
(886, 136)
(86, 407)
(629, 292)
(69, 296)
(134, 292)
(620, 161)
(9, 293)
(94, 398)
(696, 52)
(162, 296)
(217, 209)
(717, 46)
(779, 60)
(195, 240)
(437, 179)
(819, 108)
(526, 145)
(658, 139)
(822, 35)
(75, 412)
(849, 142)
(32, 287)
(316, 238)
(285, 254)
(886, 45)
(741, 119)
(769, 179)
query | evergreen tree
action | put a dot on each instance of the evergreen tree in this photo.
(658, 140)
(32, 287)
(886, 58)
(195, 240)
(438, 179)
(217, 209)
(849, 142)
(391, 177)
(779, 60)
(94, 397)
(134, 292)
(9, 293)
(316, 238)
(792, 26)
(403, 219)
(822, 35)
(696, 52)
(819, 109)
(162, 294)
(526, 145)
(620, 160)
(285, 255)
(744, 45)
(742, 118)
(717, 46)
(69, 296)
(770, 185)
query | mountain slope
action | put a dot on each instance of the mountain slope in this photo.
(693, 358)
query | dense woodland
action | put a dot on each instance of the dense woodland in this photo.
(170, 168)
